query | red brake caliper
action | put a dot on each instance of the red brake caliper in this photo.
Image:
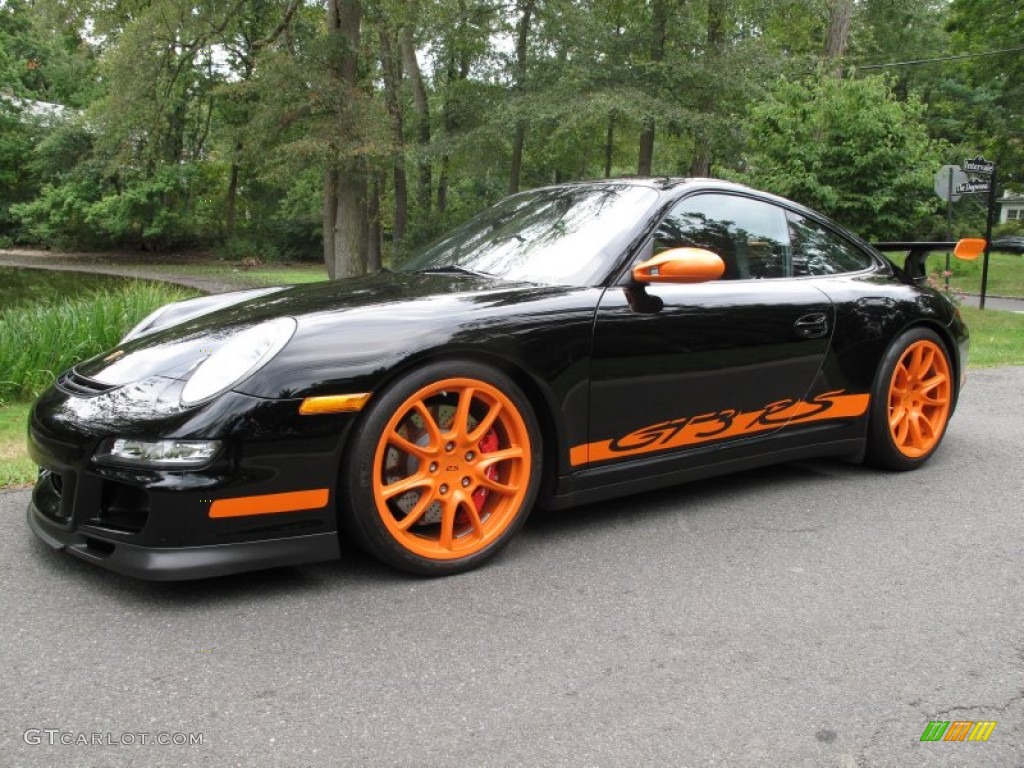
(489, 444)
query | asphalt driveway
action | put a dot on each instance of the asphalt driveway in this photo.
(816, 614)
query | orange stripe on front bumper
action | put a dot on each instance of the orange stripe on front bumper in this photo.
(271, 503)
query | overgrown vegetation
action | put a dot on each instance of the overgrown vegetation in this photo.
(40, 340)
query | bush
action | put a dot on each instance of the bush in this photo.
(39, 341)
(1008, 229)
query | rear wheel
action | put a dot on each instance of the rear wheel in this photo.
(444, 469)
(912, 402)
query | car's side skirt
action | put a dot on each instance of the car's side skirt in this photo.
(601, 483)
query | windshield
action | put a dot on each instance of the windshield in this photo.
(563, 235)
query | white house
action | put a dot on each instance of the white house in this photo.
(1011, 207)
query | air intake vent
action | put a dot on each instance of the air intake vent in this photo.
(76, 384)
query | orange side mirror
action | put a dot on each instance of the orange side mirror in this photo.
(680, 265)
(970, 248)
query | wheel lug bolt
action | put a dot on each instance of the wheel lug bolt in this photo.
(470, 455)
(433, 466)
(443, 489)
(465, 482)
(450, 447)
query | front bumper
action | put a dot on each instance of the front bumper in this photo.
(182, 563)
(170, 525)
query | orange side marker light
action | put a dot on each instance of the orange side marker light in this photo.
(313, 406)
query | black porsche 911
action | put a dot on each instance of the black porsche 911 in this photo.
(570, 344)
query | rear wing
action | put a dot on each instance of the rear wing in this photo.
(913, 271)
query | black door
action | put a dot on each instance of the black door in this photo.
(681, 367)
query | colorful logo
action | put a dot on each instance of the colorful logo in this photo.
(958, 730)
(720, 425)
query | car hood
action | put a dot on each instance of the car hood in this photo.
(357, 321)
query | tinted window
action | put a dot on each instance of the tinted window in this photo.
(819, 251)
(749, 235)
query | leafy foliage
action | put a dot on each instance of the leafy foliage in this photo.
(221, 123)
(848, 148)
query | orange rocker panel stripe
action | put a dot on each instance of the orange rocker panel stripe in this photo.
(721, 425)
(271, 503)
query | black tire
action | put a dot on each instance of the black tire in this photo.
(912, 401)
(459, 507)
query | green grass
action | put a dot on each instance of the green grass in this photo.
(40, 340)
(15, 467)
(997, 338)
(267, 274)
(1005, 274)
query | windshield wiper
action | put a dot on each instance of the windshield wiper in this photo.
(452, 269)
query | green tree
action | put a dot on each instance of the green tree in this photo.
(996, 125)
(848, 148)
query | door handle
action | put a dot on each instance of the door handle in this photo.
(812, 326)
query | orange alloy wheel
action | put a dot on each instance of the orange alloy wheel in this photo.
(452, 469)
(919, 398)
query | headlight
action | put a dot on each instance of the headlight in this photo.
(169, 454)
(239, 358)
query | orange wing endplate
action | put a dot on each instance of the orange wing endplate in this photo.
(969, 248)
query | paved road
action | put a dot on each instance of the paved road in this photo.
(819, 614)
(1004, 303)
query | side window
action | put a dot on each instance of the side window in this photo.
(819, 251)
(749, 235)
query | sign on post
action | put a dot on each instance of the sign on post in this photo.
(979, 164)
(951, 183)
(947, 180)
(972, 187)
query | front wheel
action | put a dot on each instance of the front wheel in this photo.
(912, 401)
(444, 469)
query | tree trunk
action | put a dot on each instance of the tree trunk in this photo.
(442, 184)
(345, 221)
(646, 160)
(419, 98)
(700, 165)
(609, 141)
(522, 38)
(350, 225)
(659, 26)
(458, 71)
(330, 217)
(375, 235)
(516, 166)
(392, 70)
(837, 37)
(232, 198)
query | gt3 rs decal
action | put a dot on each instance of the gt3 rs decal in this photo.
(721, 425)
